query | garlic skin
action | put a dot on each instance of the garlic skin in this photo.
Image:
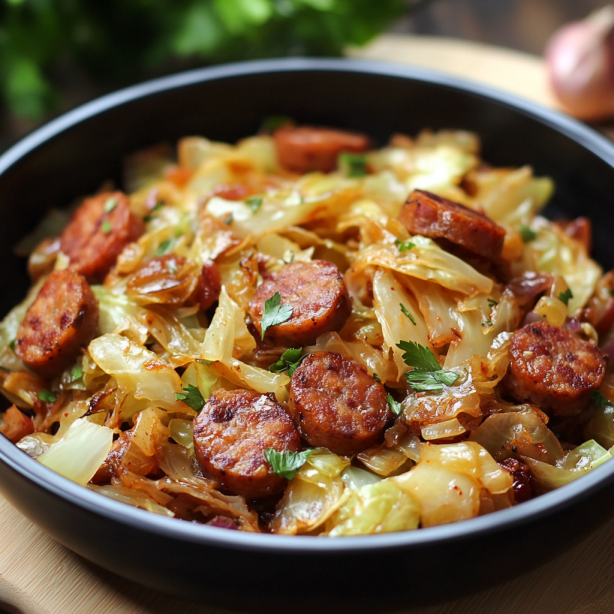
(580, 64)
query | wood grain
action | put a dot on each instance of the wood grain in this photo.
(38, 576)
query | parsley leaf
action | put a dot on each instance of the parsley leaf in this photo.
(406, 312)
(192, 397)
(598, 399)
(229, 220)
(106, 227)
(274, 313)
(395, 407)
(273, 122)
(289, 361)
(165, 247)
(565, 296)
(426, 374)
(486, 322)
(76, 373)
(353, 164)
(47, 396)
(404, 246)
(527, 235)
(12, 345)
(492, 303)
(254, 203)
(376, 377)
(110, 204)
(286, 463)
(149, 217)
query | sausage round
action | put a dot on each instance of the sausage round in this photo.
(231, 433)
(523, 483)
(304, 148)
(62, 319)
(97, 232)
(169, 280)
(319, 299)
(16, 425)
(209, 285)
(553, 368)
(439, 218)
(336, 404)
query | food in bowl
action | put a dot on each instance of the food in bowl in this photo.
(303, 334)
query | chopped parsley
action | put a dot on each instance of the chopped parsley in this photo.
(492, 303)
(486, 322)
(376, 377)
(110, 204)
(404, 246)
(353, 164)
(76, 373)
(273, 122)
(229, 220)
(12, 345)
(165, 247)
(274, 313)
(289, 361)
(406, 312)
(527, 235)
(598, 399)
(427, 374)
(106, 227)
(565, 296)
(149, 217)
(395, 407)
(286, 463)
(192, 397)
(254, 203)
(47, 396)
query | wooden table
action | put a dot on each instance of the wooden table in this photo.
(38, 576)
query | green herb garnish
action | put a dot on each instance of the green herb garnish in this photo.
(406, 312)
(492, 303)
(486, 322)
(598, 399)
(404, 246)
(229, 220)
(47, 396)
(273, 122)
(76, 373)
(376, 377)
(289, 361)
(165, 247)
(353, 164)
(395, 407)
(426, 374)
(110, 204)
(274, 313)
(286, 463)
(254, 203)
(12, 345)
(527, 234)
(106, 227)
(192, 397)
(565, 296)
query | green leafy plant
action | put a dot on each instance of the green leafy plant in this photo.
(119, 41)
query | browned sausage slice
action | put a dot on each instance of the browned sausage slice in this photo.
(439, 218)
(97, 232)
(168, 280)
(230, 435)
(553, 368)
(16, 425)
(62, 319)
(336, 404)
(319, 299)
(304, 148)
(209, 285)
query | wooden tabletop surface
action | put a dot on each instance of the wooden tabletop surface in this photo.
(38, 576)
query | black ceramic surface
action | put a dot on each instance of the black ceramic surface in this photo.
(74, 154)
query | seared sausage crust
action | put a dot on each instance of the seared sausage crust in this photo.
(319, 299)
(230, 435)
(304, 148)
(439, 218)
(209, 285)
(553, 368)
(62, 319)
(336, 404)
(98, 231)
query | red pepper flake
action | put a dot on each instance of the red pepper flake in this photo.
(65, 415)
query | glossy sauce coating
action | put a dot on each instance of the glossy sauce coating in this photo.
(62, 319)
(305, 148)
(553, 368)
(230, 435)
(319, 299)
(439, 218)
(97, 232)
(336, 404)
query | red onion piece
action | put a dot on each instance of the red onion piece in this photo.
(574, 325)
(532, 317)
(222, 523)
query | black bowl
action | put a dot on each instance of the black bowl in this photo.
(72, 155)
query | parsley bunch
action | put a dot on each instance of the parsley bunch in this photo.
(426, 375)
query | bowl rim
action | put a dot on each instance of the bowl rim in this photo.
(134, 518)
